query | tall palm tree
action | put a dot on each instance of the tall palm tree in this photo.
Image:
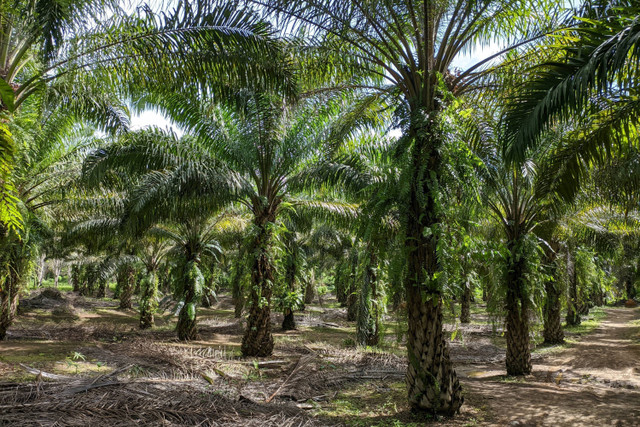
(407, 48)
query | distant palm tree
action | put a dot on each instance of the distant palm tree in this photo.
(193, 238)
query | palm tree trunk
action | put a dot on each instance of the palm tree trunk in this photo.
(208, 292)
(57, 266)
(597, 296)
(351, 289)
(236, 291)
(102, 289)
(148, 300)
(630, 289)
(126, 279)
(137, 280)
(339, 283)
(187, 326)
(9, 292)
(518, 359)
(310, 289)
(553, 333)
(75, 277)
(432, 383)
(465, 305)
(352, 306)
(518, 353)
(289, 321)
(42, 269)
(573, 316)
(82, 280)
(17, 265)
(368, 322)
(257, 339)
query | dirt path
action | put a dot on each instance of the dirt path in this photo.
(595, 382)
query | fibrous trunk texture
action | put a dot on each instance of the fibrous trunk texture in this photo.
(9, 292)
(236, 292)
(573, 314)
(187, 327)
(75, 277)
(289, 321)
(431, 380)
(340, 285)
(16, 264)
(553, 333)
(148, 300)
(126, 279)
(465, 303)
(631, 289)
(367, 328)
(352, 306)
(432, 383)
(518, 359)
(310, 290)
(102, 289)
(258, 339)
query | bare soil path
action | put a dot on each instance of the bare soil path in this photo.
(595, 382)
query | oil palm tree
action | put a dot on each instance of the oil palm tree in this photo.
(407, 49)
(193, 238)
(254, 158)
(78, 54)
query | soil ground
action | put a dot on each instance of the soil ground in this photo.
(98, 368)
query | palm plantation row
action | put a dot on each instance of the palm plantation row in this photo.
(329, 145)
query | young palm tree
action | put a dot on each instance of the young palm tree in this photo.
(271, 148)
(193, 238)
(152, 255)
(407, 49)
(524, 204)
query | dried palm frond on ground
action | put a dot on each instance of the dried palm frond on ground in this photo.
(107, 400)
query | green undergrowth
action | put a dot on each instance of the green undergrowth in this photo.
(50, 356)
(369, 404)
